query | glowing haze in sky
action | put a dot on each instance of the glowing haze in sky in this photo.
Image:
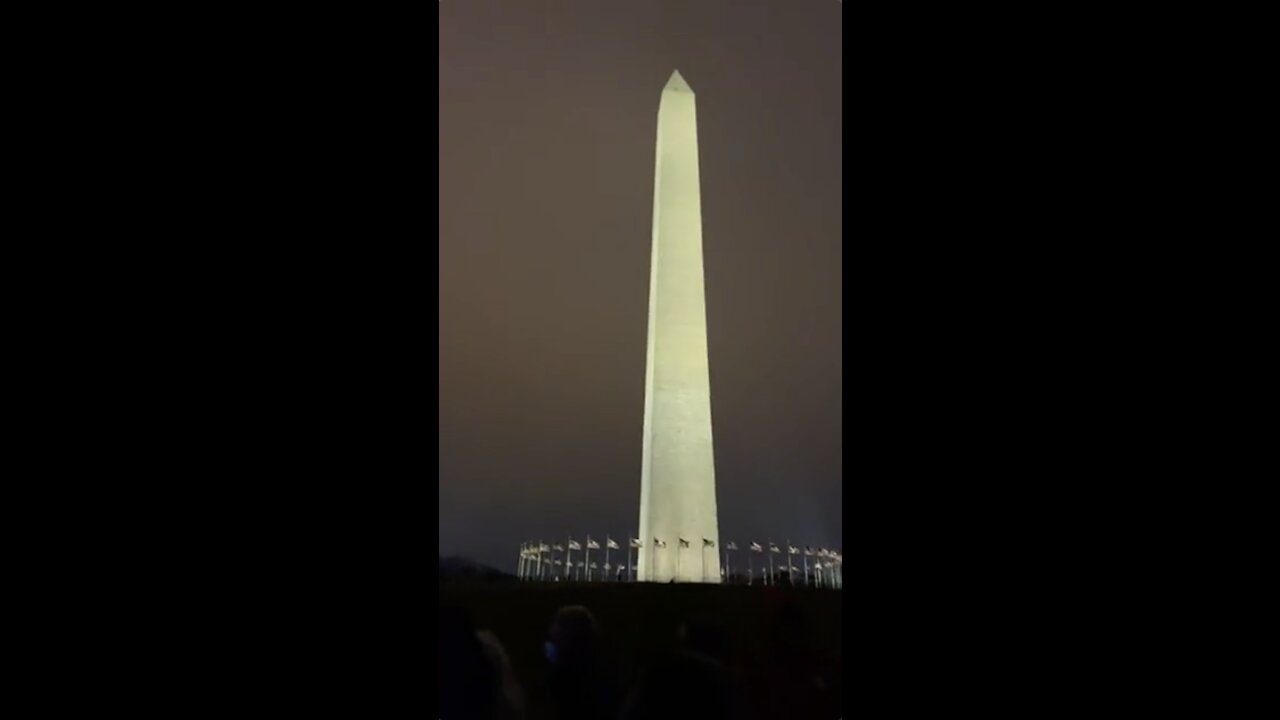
(548, 115)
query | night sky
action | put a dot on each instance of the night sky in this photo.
(548, 114)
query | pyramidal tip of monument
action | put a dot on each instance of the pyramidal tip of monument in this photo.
(677, 84)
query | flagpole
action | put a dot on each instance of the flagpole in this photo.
(791, 576)
(606, 558)
(568, 560)
(629, 578)
(770, 549)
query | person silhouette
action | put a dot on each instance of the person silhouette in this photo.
(682, 685)
(474, 675)
(509, 700)
(468, 681)
(580, 680)
(790, 678)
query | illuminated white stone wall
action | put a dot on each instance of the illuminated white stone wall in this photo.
(677, 477)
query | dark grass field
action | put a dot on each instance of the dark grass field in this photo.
(640, 620)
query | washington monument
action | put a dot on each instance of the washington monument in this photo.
(678, 526)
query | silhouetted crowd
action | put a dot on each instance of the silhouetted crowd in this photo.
(701, 675)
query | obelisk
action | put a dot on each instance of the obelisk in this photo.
(677, 475)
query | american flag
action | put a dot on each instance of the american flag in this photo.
(635, 543)
(592, 544)
(731, 545)
(755, 547)
(684, 543)
(574, 544)
(659, 543)
(610, 543)
(708, 543)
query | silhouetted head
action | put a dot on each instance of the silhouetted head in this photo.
(508, 699)
(788, 629)
(581, 681)
(705, 637)
(573, 637)
(681, 685)
(468, 682)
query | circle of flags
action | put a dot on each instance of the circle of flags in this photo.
(554, 562)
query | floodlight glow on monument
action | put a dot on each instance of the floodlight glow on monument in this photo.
(678, 525)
